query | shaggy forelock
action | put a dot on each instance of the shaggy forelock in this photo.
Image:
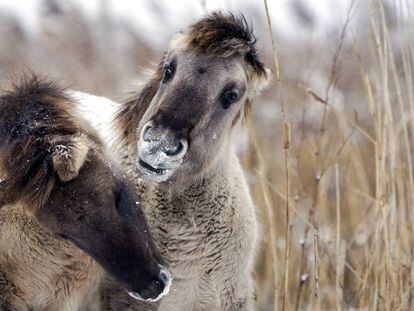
(30, 112)
(223, 35)
(35, 115)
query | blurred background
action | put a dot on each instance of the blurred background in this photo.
(342, 236)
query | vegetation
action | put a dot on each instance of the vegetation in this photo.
(349, 238)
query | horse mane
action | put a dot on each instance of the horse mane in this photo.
(134, 106)
(221, 34)
(35, 119)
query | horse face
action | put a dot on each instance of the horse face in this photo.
(182, 119)
(52, 164)
(99, 212)
(191, 116)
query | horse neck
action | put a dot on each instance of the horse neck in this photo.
(215, 181)
(31, 239)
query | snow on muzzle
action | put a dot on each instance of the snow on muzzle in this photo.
(157, 290)
(160, 152)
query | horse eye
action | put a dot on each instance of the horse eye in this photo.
(168, 73)
(229, 97)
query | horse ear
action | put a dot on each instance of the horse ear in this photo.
(69, 156)
(260, 81)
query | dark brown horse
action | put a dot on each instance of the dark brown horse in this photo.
(63, 203)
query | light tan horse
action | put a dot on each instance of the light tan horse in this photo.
(175, 134)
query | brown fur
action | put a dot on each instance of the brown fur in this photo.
(197, 202)
(63, 205)
(23, 145)
(225, 35)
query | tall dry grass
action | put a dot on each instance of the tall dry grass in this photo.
(346, 238)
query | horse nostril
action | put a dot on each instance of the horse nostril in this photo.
(164, 277)
(179, 151)
(173, 152)
(146, 133)
(157, 289)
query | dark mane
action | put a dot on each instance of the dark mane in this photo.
(134, 107)
(223, 35)
(32, 113)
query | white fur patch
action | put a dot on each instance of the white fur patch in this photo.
(99, 112)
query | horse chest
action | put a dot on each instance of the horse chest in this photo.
(191, 230)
